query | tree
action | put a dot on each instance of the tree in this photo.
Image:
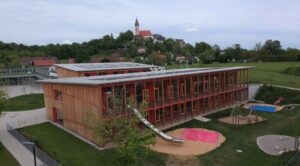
(208, 56)
(2, 101)
(127, 137)
(272, 47)
(201, 47)
(157, 58)
(217, 50)
(125, 37)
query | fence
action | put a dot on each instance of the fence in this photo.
(16, 71)
(43, 156)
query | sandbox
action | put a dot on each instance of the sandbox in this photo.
(276, 145)
(241, 120)
(197, 141)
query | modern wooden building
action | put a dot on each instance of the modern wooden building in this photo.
(172, 95)
(93, 69)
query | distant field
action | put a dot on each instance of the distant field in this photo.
(25, 102)
(267, 73)
(6, 159)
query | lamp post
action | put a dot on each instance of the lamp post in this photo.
(33, 149)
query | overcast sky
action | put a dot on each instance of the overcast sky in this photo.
(223, 22)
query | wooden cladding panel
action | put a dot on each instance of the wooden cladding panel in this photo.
(64, 73)
(76, 100)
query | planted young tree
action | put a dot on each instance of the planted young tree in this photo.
(123, 132)
(2, 101)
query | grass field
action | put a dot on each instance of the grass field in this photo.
(25, 102)
(71, 151)
(267, 73)
(6, 159)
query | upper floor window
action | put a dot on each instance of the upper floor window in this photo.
(57, 95)
(182, 89)
(230, 81)
(170, 91)
(216, 81)
(157, 96)
(146, 95)
(196, 87)
(206, 86)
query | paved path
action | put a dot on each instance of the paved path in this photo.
(279, 86)
(22, 119)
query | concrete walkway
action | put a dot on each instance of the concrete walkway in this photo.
(20, 119)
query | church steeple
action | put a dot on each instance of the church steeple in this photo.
(137, 27)
(137, 22)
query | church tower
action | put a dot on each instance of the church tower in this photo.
(137, 27)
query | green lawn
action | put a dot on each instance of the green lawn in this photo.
(71, 151)
(6, 158)
(25, 102)
(267, 73)
(244, 137)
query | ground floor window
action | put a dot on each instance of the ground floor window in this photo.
(182, 111)
(109, 102)
(57, 115)
(167, 113)
(159, 114)
(194, 105)
(175, 110)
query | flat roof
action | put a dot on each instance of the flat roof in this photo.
(103, 66)
(119, 78)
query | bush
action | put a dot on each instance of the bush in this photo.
(292, 71)
(270, 94)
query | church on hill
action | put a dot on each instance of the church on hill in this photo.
(142, 33)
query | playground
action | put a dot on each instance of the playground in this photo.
(239, 148)
(239, 115)
(197, 141)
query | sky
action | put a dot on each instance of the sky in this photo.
(222, 22)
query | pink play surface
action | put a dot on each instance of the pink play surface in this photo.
(200, 135)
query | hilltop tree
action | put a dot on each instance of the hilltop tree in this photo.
(202, 47)
(125, 37)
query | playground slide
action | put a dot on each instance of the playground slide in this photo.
(156, 130)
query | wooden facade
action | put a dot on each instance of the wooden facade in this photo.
(170, 98)
(70, 108)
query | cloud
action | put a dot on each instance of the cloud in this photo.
(218, 21)
(192, 29)
(67, 42)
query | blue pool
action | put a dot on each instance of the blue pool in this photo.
(263, 108)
